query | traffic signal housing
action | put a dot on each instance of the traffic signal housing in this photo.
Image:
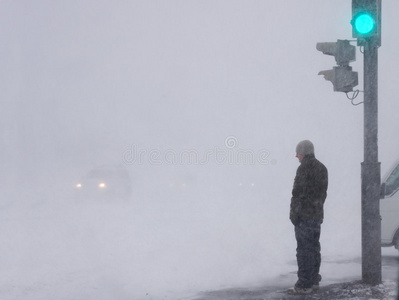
(341, 76)
(366, 21)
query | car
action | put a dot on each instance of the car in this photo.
(105, 181)
(389, 208)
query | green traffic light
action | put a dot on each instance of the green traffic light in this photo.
(364, 23)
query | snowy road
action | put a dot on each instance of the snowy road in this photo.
(332, 287)
(152, 250)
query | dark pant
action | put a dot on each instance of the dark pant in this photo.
(307, 234)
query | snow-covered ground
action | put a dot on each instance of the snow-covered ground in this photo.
(347, 286)
(95, 249)
(148, 248)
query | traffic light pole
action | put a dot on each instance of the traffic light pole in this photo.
(371, 171)
(366, 28)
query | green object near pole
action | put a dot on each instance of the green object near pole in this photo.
(364, 23)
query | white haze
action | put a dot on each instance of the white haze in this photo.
(87, 83)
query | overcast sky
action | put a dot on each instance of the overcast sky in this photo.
(83, 79)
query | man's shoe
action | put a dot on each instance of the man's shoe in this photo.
(300, 291)
(316, 283)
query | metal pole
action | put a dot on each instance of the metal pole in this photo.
(371, 172)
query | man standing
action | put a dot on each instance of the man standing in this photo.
(306, 213)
